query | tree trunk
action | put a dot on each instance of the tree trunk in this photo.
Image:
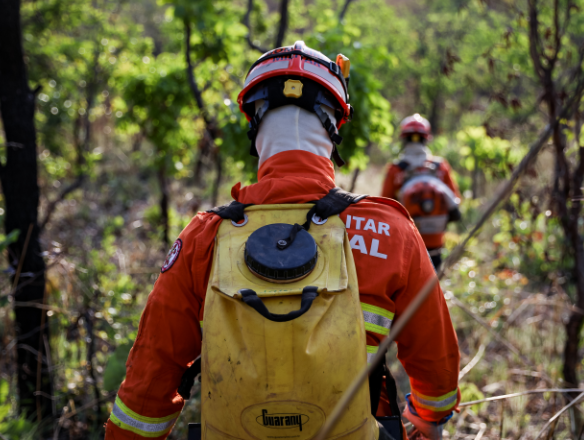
(21, 193)
(568, 214)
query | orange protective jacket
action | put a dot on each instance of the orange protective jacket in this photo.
(394, 180)
(392, 266)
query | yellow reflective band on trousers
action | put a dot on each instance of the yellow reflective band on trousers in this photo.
(437, 404)
(127, 419)
(377, 320)
(371, 352)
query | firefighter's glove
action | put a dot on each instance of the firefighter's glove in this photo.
(429, 430)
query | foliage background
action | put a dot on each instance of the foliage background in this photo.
(127, 155)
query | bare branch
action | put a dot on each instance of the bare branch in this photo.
(534, 41)
(193, 84)
(344, 10)
(81, 145)
(557, 34)
(558, 414)
(283, 23)
(523, 393)
(247, 23)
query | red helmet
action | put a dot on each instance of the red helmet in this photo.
(415, 124)
(298, 75)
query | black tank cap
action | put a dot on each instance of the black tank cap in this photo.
(266, 260)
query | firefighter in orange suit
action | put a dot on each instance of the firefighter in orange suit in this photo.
(294, 145)
(424, 185)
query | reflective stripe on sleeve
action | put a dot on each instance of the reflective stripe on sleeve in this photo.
(127, 419)
(377, 320)
(371, 351)
(437, 404)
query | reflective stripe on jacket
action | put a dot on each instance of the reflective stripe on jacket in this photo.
(392, 266)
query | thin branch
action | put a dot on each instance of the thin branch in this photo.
(81, 146)
(64, 193)
(486, 325)
(344, 10)
(283, 27)
(21, 259)
(39, 306)
(483, 428)
(475, 360)
(534, 41)
(193, 83)
(557, 36)
(522, 393)
(247, 24)
(558, 414)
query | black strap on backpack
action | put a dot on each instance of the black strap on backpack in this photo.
(390, 427)
(335, 202)
(232, 210)
(188, 379)
(375, 385)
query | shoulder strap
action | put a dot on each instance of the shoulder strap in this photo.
(403, 165)
(375, 385)
(335, 202)
(232, 210)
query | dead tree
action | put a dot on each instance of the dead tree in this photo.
(21, 194)
(545, 47)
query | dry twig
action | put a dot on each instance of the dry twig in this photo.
(522, 393)
(558, 414)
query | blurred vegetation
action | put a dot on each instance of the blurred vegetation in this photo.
(127, 156)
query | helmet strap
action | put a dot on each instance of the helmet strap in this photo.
(332, 132)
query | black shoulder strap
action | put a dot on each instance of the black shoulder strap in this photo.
(335, 202)
(375, 385)
(403, 165)
(391, 387)
(188, 379)
(232, 210)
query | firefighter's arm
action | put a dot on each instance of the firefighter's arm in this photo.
(427, 346)
(389, 189)
(168, 340)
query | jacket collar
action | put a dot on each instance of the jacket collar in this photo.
(289, 177)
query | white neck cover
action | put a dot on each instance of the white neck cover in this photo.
(415, 154)
(292, 128)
